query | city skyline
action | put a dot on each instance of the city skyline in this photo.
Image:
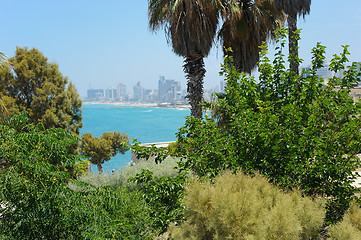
(168, 90)
(102, 44)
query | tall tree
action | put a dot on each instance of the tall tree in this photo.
(293, 9)
(191, 26)
(102, 149)
(247, 24)
(37, 86)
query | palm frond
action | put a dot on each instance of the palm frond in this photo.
(294, 7)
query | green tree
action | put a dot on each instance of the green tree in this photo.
(33, 176)
(293, 129)
(102, 149)
(191, 26)
(293, 9)
(37, 86)
(37, 201)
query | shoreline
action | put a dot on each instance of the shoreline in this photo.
(139, 104)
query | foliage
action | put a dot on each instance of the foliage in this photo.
(246, 24)
(142, 152)
(121, 176)
(113, 213)
(237, 206)
(36, 202)
(191, 27)
(295, 130)
(37, 86)
(102, 149)
(293, 9)
(82, 168)
(350, 227)
(173, 148)
(35, 165)
(163, 195)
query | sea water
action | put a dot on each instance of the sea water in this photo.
(146, 124)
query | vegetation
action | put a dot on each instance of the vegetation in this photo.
(350, 227)
(295, 130)
(293, 9)
(30, 83)
(246, 24)
(32, 179)
(236, 206)
(36, 202)
(163, 194)
(102, 149)
(121, 176)
(191, 27)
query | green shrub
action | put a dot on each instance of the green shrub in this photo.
(114, 213)
(34, 169)
(37, 203)
(173, 148)
(243, 207)
(295, 130)
(350, 227)
(163, 195)
(120, 177)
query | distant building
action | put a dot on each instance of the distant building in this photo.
(122, 92)
(95, 94)
(138, 92)
(111, 94)
(169, 90)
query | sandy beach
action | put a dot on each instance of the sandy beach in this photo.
(140, 104)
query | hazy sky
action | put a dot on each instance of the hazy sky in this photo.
(99, 44)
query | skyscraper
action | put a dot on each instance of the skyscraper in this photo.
(168, 90)
(122, 92)
(138, 92)
(111, 94)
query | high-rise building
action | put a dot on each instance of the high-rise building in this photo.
(168, 90)
(122, 92)
(138, 92)
(95, 94)
(111, 94)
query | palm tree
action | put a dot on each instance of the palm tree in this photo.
(191, 26)
(293, 9)
(247, 24)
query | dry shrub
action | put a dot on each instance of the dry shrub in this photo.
(350, 227)
(241, 207)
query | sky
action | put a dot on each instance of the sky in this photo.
(99, 44)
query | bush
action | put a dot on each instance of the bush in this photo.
(114, 213)
(34, 169)
(163, 194)
(243, 207)
(120, 177)
(36, 202)
(350, 227)
(296, 130)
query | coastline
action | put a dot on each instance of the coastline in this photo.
(140, 104)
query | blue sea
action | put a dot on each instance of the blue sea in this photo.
(146, 124)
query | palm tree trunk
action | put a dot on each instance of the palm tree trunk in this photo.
(195, 71)
(100, 168)
(293, 42)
